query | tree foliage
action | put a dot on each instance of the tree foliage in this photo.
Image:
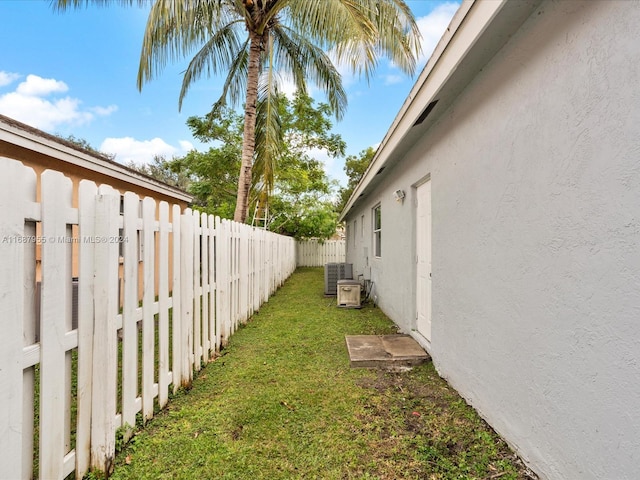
(159, 168)
(85, 145)
(301, 201)
(354, 167)
(253, 41)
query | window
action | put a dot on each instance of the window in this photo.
(355, 229)
(362, 226)
(346, 236)
(377, 231)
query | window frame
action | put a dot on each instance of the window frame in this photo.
(376, 229)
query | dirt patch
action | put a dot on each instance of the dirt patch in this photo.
(446, 437)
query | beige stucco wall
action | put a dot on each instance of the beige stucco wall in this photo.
(40, 162)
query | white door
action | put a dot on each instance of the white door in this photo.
(423, 260)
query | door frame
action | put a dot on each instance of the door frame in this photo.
(423, 336)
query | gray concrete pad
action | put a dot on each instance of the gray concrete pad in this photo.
(393, 352)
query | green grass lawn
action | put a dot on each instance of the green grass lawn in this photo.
(281, 402)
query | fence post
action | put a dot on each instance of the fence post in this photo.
(130, 252)
(176, 299)
(222, 273)
(105, 347)
(87, 192)
(55, 319)
(186, 295)
(148, 300)
(17, 188)
(197, 292)
(163, 304)
(213, 334)
(204, 284)
(220, 284)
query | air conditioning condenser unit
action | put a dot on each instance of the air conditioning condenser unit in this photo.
(334, 272)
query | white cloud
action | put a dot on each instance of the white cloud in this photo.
(7, 78)
(432, 26)
(333, 167)
(287, 86)
(42, 113)
(392, 79)
(35, 86)
(104, 111)
(36, 103)
(128, 149)
(186, 146)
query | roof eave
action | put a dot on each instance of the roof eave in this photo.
(474, 20)
(32, 139)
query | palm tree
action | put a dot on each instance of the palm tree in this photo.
(253, 41)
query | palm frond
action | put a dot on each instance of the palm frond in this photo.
(269, 135)
(398, 34)
(220, 53)
(299, 56)
(359, 31)
(235, 85)
(332, 21)
(174, 29)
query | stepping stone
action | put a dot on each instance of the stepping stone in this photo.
(391, 352)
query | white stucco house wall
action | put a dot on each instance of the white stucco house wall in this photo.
(514, 256)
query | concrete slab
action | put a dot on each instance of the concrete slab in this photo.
(392, 352)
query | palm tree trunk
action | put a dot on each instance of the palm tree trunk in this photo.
(249, 136)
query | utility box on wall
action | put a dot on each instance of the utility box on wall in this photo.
(349, 293)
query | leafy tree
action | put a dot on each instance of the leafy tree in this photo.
(300, 200)
(354, 167)
(85, 145)
(251, 40)
(159, 168)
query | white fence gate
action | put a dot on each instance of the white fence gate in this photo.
(313, 253)
(188, 280)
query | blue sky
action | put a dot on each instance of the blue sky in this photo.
(75, 74)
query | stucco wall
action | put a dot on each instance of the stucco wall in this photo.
(535, 175)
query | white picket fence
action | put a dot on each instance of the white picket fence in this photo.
(314, 253)
(221, 273)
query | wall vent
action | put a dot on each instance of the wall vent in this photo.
(425, 113)
(334, 272)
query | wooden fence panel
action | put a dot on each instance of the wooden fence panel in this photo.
(56, 339)
(197, 291)
(221, 283)
(130, 311)
(17, 190)
(186, 294)
(176, 303)
(204, 275)
(209, 276)
(313, 253)
(148, 304)
(105, 348)
(164, 303)
(213, 334)
(87, 192)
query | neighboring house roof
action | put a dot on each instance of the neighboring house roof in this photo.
(476, 33)
(71, 155)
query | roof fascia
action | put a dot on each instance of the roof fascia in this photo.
(469, 24)
(50, 148)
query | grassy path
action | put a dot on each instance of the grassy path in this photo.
(282, 403)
